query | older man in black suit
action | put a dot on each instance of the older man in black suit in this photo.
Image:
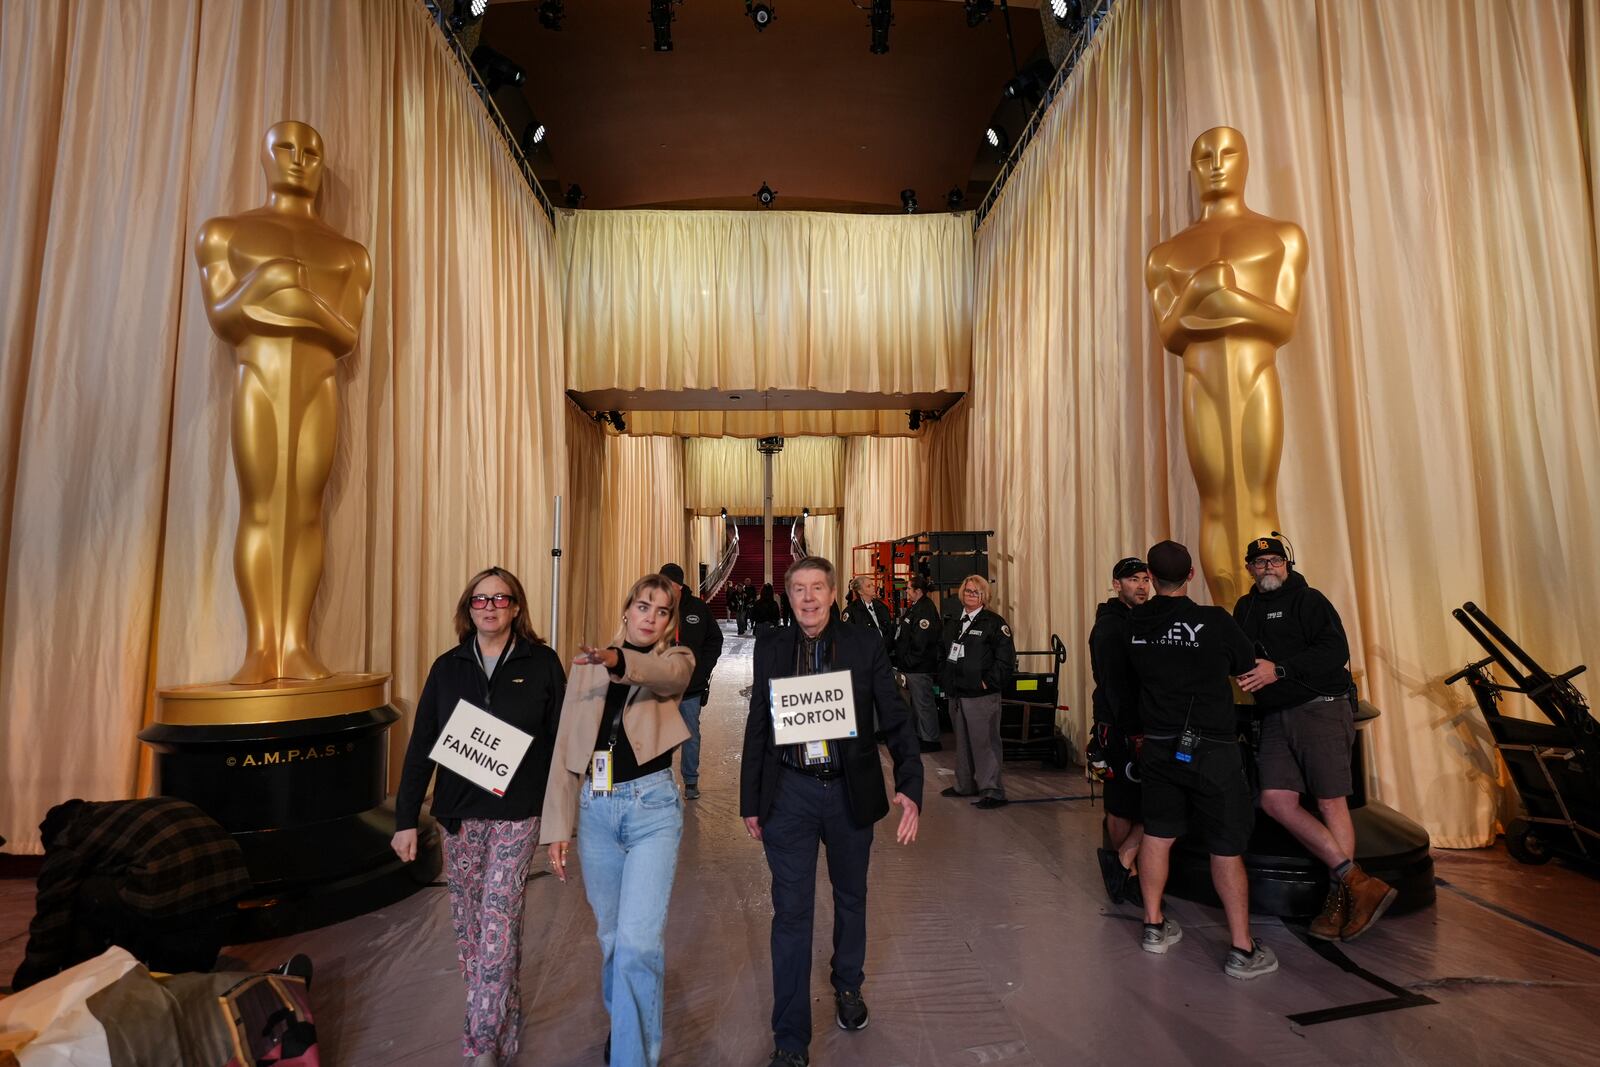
(796, 796)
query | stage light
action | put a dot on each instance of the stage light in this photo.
(532, 136)
(574, 197)
(908, 201)
(1068, 13)
(880, 19)
(496, 69)
(914, 420)
(978, 11)
(765, 195)
(661, 17)
(955, 198)
(551, 12)
(998, 138)
(760, 14)
(616, 420)
(464, 13)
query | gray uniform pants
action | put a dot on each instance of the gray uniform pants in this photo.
(978, 757)
(925, 712)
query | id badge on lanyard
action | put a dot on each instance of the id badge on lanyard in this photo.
(816, 752)
(600, 771)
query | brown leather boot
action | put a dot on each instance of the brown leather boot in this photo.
(1335, 910)
(1369, 898)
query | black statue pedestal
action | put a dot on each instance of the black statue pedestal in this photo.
(298, 774)
(1286, 880)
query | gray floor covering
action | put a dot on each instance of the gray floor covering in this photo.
(991, 944)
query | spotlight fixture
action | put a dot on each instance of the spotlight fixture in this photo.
(914, 420)
(978, 11)
(908, 200)
(760, 14)
(466, 12)
(532, 136)
(496, 69)
(1068, 13)
(769, 446)
(616, 420)
(765, 195)
(955, 198)
(880, 19)
(551, 12)
(661, 18)
(998, 138)
(574, 197)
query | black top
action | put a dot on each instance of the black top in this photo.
(765, 611)
(918, 638)
(526, 691)
(699, 633)
(1186, 656)
(1296, 628)
(878, 707)
(871, 615)
(625, 766)
(1116, 686)
(988, 657)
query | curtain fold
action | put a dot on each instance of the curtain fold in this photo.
(753, 424)
(735, 300)
(1440, 392)
(728, 473)
(885, 494)
(137, 121)
(644, 522)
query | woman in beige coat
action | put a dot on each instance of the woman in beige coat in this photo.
(613, 772)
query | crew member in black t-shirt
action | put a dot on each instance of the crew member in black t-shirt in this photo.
(1191, 767)
(1117, 732)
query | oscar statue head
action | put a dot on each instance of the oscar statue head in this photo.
(1220, 162)
(291, 156)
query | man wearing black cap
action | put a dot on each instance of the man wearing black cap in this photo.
(1116, 734)
(1307, 699)
(1190, 766)
(697, 631)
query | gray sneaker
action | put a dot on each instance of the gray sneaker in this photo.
(691, 791)
(1249, 965)
(1159, 938)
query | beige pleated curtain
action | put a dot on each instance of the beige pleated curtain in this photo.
(1443, 420)
(125, 126)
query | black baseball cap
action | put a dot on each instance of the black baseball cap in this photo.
(1127, 567)
(673, 571)
(1265, 546)
(1170, 562)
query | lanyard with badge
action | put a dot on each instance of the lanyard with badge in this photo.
(957, 648)
(814, 753)
(601, 764)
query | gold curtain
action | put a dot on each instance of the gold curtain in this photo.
(752, 424)
(1441, 396)
(644, 523)
(745, 300)
(727, 473)
(885, 490)
(126, 126)
(583, 585)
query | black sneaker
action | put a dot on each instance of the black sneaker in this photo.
(990, 803)
(691, 790)
(298, 966)
(782, 1057)
(852, 1010)
(952, 791)
(932, 746)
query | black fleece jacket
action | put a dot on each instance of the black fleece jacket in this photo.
(1297, 628)
(699, 633)
(918, 645)
(1185, 656)
(1116, 687)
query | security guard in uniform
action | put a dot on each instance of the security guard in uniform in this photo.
(870, 612)
(917, 652)
(979, 660)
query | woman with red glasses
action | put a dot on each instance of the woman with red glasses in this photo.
(503, 667)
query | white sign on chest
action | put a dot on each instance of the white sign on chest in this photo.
(481, 748)
(813, 707)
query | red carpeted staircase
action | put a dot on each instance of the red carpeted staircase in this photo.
(748, 567)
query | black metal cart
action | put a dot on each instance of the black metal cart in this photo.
(1028, 707)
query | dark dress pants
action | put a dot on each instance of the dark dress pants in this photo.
(806, 811)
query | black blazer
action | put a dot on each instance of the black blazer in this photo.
(878, 707)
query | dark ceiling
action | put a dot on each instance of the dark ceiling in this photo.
(803, 106)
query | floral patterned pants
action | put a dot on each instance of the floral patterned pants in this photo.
(487, 867)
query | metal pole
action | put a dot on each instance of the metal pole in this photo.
(766, 514)
(555, 581)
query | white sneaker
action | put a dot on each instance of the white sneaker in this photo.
(1247, 965)
(1158, 939)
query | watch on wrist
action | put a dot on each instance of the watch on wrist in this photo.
(1277, 669)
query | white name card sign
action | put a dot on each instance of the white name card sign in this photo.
(813, 707)
(481, 748)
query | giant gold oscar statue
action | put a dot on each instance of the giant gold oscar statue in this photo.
(1226, 293)
(287, 755)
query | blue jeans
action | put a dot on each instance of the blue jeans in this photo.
(690, 749)
(628, 849)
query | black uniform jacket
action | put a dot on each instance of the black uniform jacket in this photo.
(526, 691)
(1116, 687)
(988, 658)
(874, 616)
(878, 707)
(699, 633)
(1297, 628)
(919, 638)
